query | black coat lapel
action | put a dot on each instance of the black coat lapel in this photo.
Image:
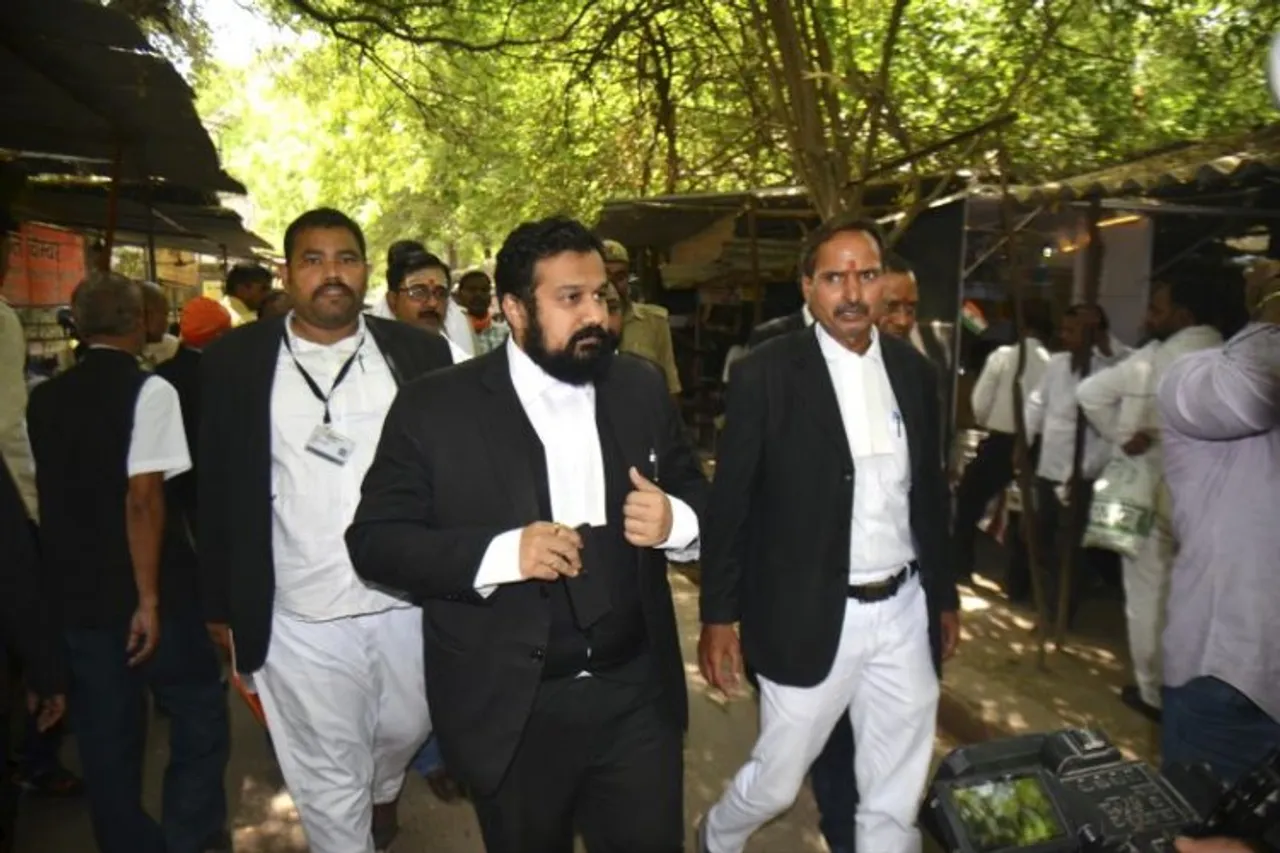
(393, 355)
(620, 414)
(258, 378)
(905, 391)
(505, 424)
(816, 393)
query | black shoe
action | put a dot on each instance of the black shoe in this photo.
(1130, 696)
(386, 825)
(219, 843)
(58, 783)
(444, 786)
(700, 836)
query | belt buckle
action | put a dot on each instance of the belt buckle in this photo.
(880, 590)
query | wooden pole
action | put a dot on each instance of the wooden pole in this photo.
(152, 269)
(1079, 496)
(1021, 453)
(753, 229)
(113, 208)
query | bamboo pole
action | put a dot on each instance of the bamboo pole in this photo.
(153, 273)
(1079, 496)
(753, 227)
(1022, 455)
(113, 209)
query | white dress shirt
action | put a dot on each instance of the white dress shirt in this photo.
(993, 393)
(880, 541)
(564, 418)
(1051, 411)
(1120, 401)
(313, 499)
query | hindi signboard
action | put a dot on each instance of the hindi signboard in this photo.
(45, 265)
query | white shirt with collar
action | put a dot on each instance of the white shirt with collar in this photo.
(564, 418)
(993, 393)
(880, 540)
(1051, 411)
(314, 500)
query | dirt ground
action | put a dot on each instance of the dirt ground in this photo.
(720, 737)
(993, 687)
(996, 686)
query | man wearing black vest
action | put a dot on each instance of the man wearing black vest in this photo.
(106, 435)
(532, 497)
(291, 409)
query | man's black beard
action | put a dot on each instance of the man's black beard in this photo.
(564, 364)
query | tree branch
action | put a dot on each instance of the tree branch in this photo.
(391, 24)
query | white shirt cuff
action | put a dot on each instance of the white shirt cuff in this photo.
(501, 562)
(682, 545)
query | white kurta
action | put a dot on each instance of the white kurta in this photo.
(1120, 402)
(342, 687)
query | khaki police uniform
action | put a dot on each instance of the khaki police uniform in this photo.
(646, 332)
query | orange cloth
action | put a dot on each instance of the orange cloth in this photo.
(203, 320)
(479, 324)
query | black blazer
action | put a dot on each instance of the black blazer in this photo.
(237, 568)
(778, 326)
(27, 623)
(451, 473)
(775, 552)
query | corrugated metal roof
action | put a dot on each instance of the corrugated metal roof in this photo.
(194, 227)
(79, 80)
(662, 221)
(1187, 166)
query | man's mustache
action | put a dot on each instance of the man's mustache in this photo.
(852, 309)
(598, 335)
(431, 313)
(331, 287)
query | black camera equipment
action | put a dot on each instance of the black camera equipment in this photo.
(1072, 790)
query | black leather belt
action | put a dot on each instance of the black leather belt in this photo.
(870, 593)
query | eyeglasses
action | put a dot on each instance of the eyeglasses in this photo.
(421, 293)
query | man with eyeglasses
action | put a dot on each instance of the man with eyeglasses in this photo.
(415, 278)
(418, 290)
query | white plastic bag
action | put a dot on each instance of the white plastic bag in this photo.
(1123, 509)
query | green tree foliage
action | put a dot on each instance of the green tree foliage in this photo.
(452, 121)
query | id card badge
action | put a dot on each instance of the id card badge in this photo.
(331, 445)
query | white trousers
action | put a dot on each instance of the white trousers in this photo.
(346, 706)
(1146, 593)
(883, 678)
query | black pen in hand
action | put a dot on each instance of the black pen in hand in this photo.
(653, 466)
